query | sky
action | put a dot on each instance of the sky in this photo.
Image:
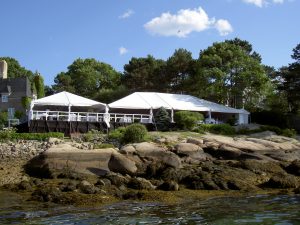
(48, 35)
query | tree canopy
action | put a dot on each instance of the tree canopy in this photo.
(16, 70)
(290, 81)
(87, 77)
(230, 75)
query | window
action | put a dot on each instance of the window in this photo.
(4, 98)
(11, 113)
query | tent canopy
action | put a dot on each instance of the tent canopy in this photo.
(67, 99)
(154, 100)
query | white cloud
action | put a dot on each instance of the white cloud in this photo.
(261, 3)
(224, 27)
(127, 14)
(122, 51)
(278, 1)
(182, 23)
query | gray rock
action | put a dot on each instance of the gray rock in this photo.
(187, 149)
(195, 141)
(169, 186)
(140, 184)
(127, 150)
(157, 154)
(86, 187)
(120, 164)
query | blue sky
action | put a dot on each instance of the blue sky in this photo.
(48, 35)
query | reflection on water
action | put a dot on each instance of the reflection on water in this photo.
(258, 209)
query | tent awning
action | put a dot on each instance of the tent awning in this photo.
(68, 99)
(154, 100)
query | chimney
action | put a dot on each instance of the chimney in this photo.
(3, 69)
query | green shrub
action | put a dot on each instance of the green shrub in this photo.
(288, 132)
(3, 119)
(7, 134)
(117, 134)
(10, 134)
(272, 118)
(275, 129)
(284, 132)
(92, 135)
(37, 136)
(187, 120)
(162, 119)
(224, 129)
(134, 133)
(232, 121)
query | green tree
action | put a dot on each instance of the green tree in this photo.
(162, 119)
(145, 74)
(111, 95)
(87, 77)
(48, 90)
(180, 66)
(234, 77)
(16, 70)
(3, 119)
(38, 82)
(291, 81)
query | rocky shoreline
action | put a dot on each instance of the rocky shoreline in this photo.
(170, 168)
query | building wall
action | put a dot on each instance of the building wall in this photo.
(19, 88)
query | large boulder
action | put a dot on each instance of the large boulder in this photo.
(120, 164)
(283, 181)
(294, 168)
(253, 144)
(157, 154)
(140, 183)
(64, 158)
(186, 149)
(169, 186)
(195, 141)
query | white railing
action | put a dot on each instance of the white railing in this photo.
(130, 118)
(66, 116)
(90, 116)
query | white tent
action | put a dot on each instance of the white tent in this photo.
(67, 99)
(154, 100)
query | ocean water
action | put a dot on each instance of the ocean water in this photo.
(256, 209)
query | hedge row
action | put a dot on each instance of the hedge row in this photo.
(12, 135)
(224, 129)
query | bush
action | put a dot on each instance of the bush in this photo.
(10, 134)
(284, 132)
(224, 129)
(288, 132)
(92, 135)
(187, 120)
(134, 133)
(7, 134)
(270, 118)
(232, 121)
(162, 119)
(3, 119)
(37, 136)
(117, 134)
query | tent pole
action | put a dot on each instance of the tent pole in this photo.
(209, 116)
(151, 115)
(69, 117)
(172, 115)
(30, 113)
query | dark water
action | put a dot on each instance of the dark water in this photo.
(257, 209)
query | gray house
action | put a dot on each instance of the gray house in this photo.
(13, 91)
